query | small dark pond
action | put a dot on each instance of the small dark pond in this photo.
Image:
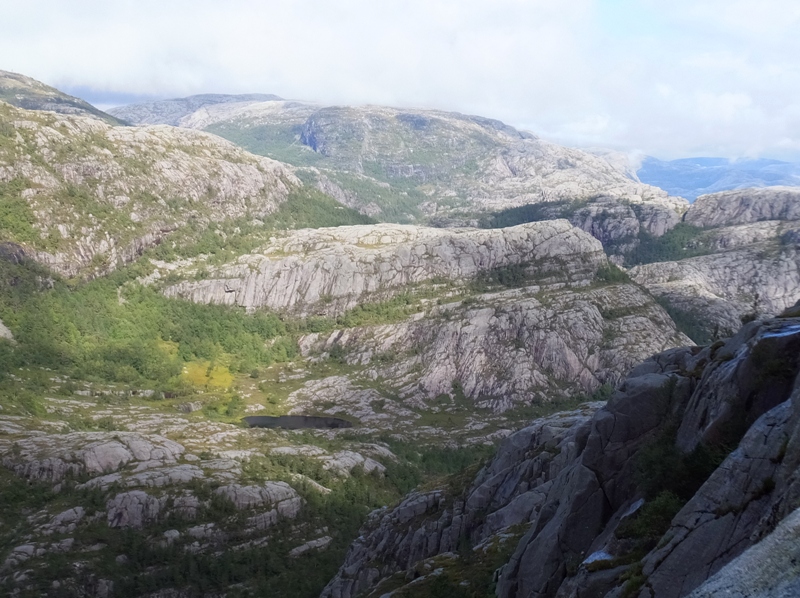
(296, 422)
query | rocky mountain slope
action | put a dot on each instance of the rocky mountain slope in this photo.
(30, 94)
(416, 165)
(172, 112)
(506, 314)
(158, 284)
(644, 496)
(82, 195)
(745, 262)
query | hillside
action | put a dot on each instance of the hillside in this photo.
(506, 403)
(417, 165)
(172, 112)
(84, 197)
(693, 461)
(733, 258)
(30, 94)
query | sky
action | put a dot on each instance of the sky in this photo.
(667, 78)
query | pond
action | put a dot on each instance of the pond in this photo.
(296, 422)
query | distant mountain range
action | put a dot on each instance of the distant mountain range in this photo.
(692, 177)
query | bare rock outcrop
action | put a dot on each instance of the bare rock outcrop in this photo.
(770, 569)
(133, 509)
(51, 457)
(501, 348)
(749, 265)
(745, 206)
(576, 489)
(333, 269)
(5, 332)
(98, 195)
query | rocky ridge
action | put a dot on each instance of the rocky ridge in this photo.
(751, 265)
(30, 94)
(418, 165)
(330, 270)
(504, 314)
(745, 206)
(172, 112)
(86, 194)
(571, 493)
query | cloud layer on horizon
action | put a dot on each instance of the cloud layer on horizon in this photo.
(702, 77)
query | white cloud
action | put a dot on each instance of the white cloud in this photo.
(670, 79)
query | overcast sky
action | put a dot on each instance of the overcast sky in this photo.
(669, 78)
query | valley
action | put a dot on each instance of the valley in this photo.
(527, 372)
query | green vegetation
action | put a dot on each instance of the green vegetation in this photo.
(661, 467)
(679, 243)
(264, 569)
(304, 208)
(612, 274)
(688, 322)
(137, 336)
(653, 519)
(537, 212)
(16, 217)
(279, 142)
(398, 200)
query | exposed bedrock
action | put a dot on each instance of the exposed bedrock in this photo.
(332, 269)
(577, 482)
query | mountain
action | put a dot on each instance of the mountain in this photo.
(404, 165)
(24, 92)
(691, 463)
(692, 177)
(81, 195)
(172, 112)
(734, 256)
(212, 370)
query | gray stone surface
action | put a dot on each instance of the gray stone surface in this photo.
(571, 479)
(745, 206)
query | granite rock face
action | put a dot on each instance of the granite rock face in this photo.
(749, 265)
(560, 327)
(99, 195)
(333, 269)
(52, 457)
(745, 206)
(443, 167)
(502, 348)
(572, 482)
(767, 570)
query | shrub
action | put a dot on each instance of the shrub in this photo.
(612, 274)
